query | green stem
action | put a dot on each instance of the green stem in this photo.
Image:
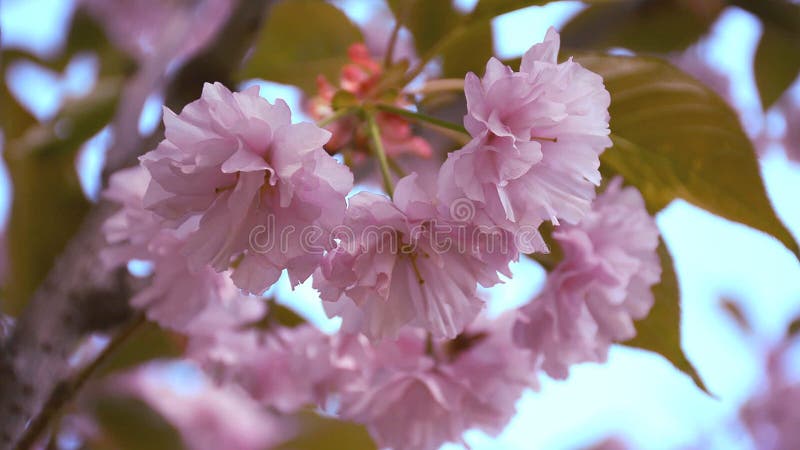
(419, 117)
(335, 116)
(377, 146)
(396, 168)
(441, 85)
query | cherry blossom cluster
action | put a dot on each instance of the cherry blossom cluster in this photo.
(417, 359)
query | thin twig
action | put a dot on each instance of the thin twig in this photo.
(396, 168)
(380, 153)
(335, 116)
(389, 55)
(422, 118)
(440, 85)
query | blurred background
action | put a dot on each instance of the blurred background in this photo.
(638, 398)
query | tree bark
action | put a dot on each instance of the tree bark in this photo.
(77, 297)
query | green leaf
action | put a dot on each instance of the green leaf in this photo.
(644, 26)
(793, 329)
(780, 13)
(777, 62)
(465, 42)
(130, 424)
(48, 204)
(323, 433)
(470, 52)
(14, 118)
(675, 138)
(300, 40)
(429, 21)
(487, 9)
(148, 342)
(660, 331)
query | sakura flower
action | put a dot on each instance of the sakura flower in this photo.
(265, 192)
(603, 284)
(772, 416)
(285, 368)
(360, 78)
(415, 395)
(207, 417)
(178, 297)
(141, 26)
(537, 136)
(397, 264)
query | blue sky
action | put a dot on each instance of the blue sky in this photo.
(637, 394)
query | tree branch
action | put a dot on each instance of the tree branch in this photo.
(77, 297)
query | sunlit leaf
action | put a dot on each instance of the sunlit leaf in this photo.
(465, 42)
(644, 26)
(486, 9)
(129, 424)
(779, 13)
(794, 328)
(277, 315)
(322, 433)
(148, 342)
(470, 52)
(428, 20)
(777, 62)
(48, 204)
(675, 138)
(660, 331)
(300, 40)
(15, 118)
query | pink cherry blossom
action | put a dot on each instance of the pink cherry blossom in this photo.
(416, 395)
(602, 285)
(537, 136)
(285, 368)
(141, 26)
(256, 182)
(398, 263)
(360, 78)
(178, 296)
(207, 417)
(772, 416)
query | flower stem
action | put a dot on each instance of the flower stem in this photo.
(335, 116)
(440, 85)
(389, 56)
(419, 117)
(396, 168)
(377, 147)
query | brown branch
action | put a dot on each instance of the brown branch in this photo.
(77, 297)
(66, 390)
